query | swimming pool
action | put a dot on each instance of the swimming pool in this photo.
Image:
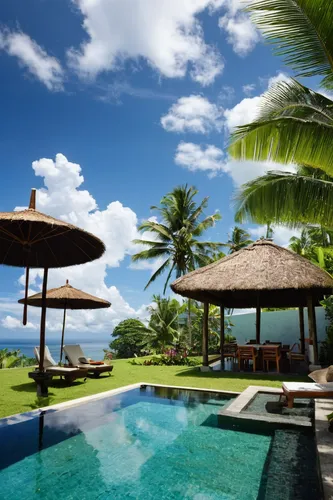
(154, 443)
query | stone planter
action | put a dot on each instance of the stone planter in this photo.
(42, 380)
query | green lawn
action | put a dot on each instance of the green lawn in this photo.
(18, 392)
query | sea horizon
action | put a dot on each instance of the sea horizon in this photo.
(92, 349)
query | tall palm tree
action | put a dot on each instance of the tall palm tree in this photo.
(239, 239)
(294, 123)
(177, 234)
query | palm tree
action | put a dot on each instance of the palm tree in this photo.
(294, 123)
(239, 239)
(177, 234)
(163, 327)
(294, 199)
(302, 245)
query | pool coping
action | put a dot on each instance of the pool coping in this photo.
(324, 440)
(21, 417)
(235, 409)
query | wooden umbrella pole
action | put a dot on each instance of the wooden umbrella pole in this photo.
(222, 337)
(43, 323)
(25, 307)
(63, 333)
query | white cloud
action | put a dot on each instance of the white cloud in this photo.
(281, 235)
(116, 225)
(32, 56)
(244, 171)
(194, 157)
(279, 77)
(166, 34)
(244, 112)
(193, 114)
(249, 89)
(241, 33)
(12, 323)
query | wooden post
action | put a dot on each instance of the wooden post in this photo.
(222, 337)
(205, 335)
(301, 328)
(63, 334)
(258, 321)
(312, 327)
(42, 323)
(25, 306)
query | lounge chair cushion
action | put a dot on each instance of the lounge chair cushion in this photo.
(307, 387)
(84, 360)
(329, 374)
(322, 376)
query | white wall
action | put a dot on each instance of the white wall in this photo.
(281, 326)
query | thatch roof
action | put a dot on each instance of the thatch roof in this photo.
(67, 297)
(29, 237)
(262, 274)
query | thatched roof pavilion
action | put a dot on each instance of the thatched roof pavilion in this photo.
(260, 275)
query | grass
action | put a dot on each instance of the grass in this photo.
(18, 392)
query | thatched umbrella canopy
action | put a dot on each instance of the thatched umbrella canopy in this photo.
(260, 275)
(32, 239)
(66, 297)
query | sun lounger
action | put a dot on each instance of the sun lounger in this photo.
(76, 358)
(306, 390)
(69, 373)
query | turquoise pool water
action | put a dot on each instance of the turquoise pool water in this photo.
(143, 444)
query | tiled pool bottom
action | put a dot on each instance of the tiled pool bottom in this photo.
(154, 444)
(269, 404)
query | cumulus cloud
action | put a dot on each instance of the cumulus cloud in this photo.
(34, 58)
(193, 114)
(212, 160)
(244, 112)
(244, 171)
(241, 33)
(281, 235)
(166, 34)
(116, 225)
(194, 157)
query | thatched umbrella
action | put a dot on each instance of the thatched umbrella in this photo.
(32, 239)
(66, 297)
(260, 275)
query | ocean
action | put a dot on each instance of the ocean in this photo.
(92, 350)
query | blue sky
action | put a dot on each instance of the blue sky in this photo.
(141, 96)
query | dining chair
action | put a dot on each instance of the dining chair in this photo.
(246, 354)
(271, 354)
(295, 353)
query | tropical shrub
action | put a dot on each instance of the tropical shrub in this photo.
(326, 347)
(13, 359)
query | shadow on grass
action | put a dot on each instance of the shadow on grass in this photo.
(56, 384)
(195, 373)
